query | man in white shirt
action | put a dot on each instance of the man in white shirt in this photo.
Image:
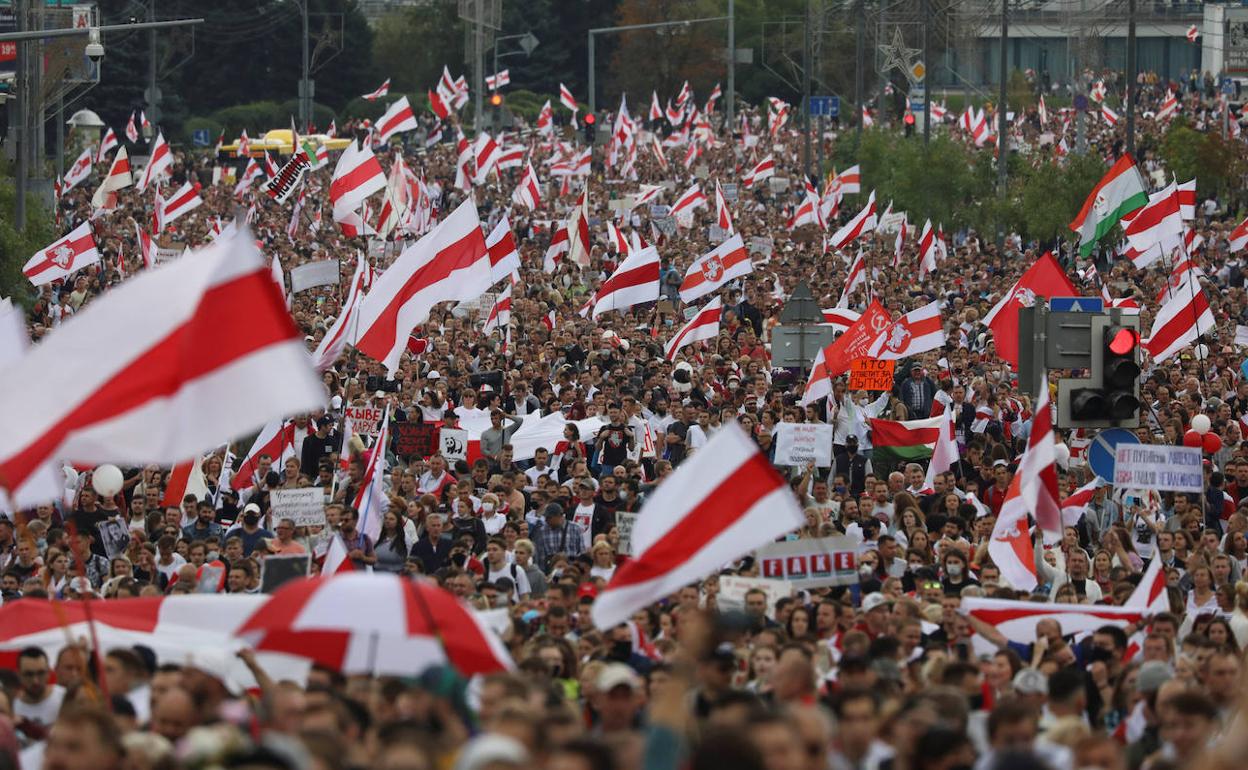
(497, 566)
(541, 467)
(851, 418)
(37, 702)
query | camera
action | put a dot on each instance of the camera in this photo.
(94, 49)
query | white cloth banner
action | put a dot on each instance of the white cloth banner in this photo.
(798, 443)
(314, 274)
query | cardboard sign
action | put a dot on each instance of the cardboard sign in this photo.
(732, 590)
(869, 374)
(453, 443)
(305, 505)
(659, 210)
(730, 192)
(413, 440)
(364, 419)
(798, 443)
(624, 525)
(761, 245)
(1148, 466)
(277, 570)
(716, 234)
(323, 273)
(163, 255)
(810, 563)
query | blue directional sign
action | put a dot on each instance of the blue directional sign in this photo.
(1228, 85)
(1077, 305)
(1104, 448)
(201, 138)
(825, 106)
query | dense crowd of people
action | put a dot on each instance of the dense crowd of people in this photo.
(886, 674)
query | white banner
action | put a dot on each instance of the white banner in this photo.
(323, 273)
(798, 443)
(1241, 335)
(453, 443)
(305, 505)
(732, 590)
(364, 419)
(810, 563)
(1148, 466)
(624, 525)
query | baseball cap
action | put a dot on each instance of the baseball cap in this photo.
(251, 508)
(873, 601)
(1029, 681)
(617, 675)
(491, 749)
(587, 590)
(433, 375)
(1153, 674)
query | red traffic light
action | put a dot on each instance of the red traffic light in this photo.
(496, 100)
(590, 119)
(1124, 341)
(909, 118)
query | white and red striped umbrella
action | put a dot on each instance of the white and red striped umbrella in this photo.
(357, 622)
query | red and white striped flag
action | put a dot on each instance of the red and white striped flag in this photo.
(1184, 317)
(1043, 112)
(146, 249)
(451, 263)
(185, 199)
(1169, 106)
(344, 327)
(915, 332)
(158, 164)
(146, 401)
(927, 250)
(529, 192)
(1016, 619)
(1238, 238)
(77, 173)
(118, 178)
(689, 200)
(647, 193)
(1074, 506)
(557, 250)
(848, 181)
(357, 176)
(867, 120)
(719, 505)
(500, 313)
(251, 173)
(839, 318)
(132, 132)
(1193, 32)
(703, 326)
(1038, 469)
(276, 441)
(634, 282)
(485, 152)
(498, 80)
(64, 257)
(550, 320)
(510, 156)
(568, 100)
(546, 120)
(1158, 224)
(856, 277)
(616, 239)
(399, 117)
(504, 256)
(579, 244)
(726, 262)
(722, 214)
(107, 144)
(764, 169)
(1109, 115)
(244, 145)
(863, 222)
(656, 112)
(371, 502)
(186, 479)
(381, 91)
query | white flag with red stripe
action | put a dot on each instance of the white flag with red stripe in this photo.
(398, 118)
(371, 501)
(1183, 318)
(1074, 506)
(529, 192)
(276, 441)
(500, 313)
(1016, 620)
(848, 181)
(656, 111)
(634, 282)
(107, 144)
(863, 222)
(498, 80)
(722, 215)
(915, 332)
(158, 163)
(80, 170)
(726, 262)
(504, 256)
(1238, 238)
(344, 328)
(1038, 469)
(719, 505)
(1011, 546)
(117, 178)
(185, 199)
(381, 91)
(146, 401)
(357, 176)
(840, 318)
(557, 250)
(688, 201)
(450, 263)
(568, 100)
(146, 249)
(703, 326)
(65, 256)
(928, 250)
(764, 169)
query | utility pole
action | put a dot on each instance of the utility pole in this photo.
(860, 34)
(153, 98)
(1080, 114)
(806, 92)
(1131, 67)
(730, 103)
(927, 66)
(478, 62)
(305, 95)
(20, 138)
(884, 80)
(1003, 143)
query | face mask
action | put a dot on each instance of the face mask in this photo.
(487, 507)
(251, 519)
(623, 494)
(953, 569)
(916, 566)
(865, 569)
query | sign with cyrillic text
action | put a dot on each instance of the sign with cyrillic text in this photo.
(1148, 466)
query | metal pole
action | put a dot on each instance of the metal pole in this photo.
(152, 101)
(860, 65)
(819, 145)
(806, 92)
(478, 62)
(70, 32)
(730, 103)
(34, 114)
(1080, 115)
(1131, 67)
(883, 76)
(20, 138)
(60, 136)
(593, 99)
(1002, 137)
(927, 92)
(305, 99)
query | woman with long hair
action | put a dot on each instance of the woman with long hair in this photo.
(1202, 598)
(391, 548)
(800, 624)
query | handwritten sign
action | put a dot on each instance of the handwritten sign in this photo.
(798, 443)
(732, 591)
(1146, 466)
(305, 505)
(414, 439)
(810, 563)
(364, 419)
(624, 525)
(454, 443)
(869, 374)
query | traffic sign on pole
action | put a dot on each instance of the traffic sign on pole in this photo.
(1104, 448)
(825, 106)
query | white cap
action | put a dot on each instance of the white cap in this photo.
(617, 675)
(873, 600)
(490, 749)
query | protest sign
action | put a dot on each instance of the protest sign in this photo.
(624, 525)
(314, 274)
(454, 443)
(305, 505)
(798, 443)
(730, 192)
(1149, 466)
(413, 439)
(869, 374)
(364, 419)
(716, 234)
(275, 570)
(732, 590)
(761, 245)
(163, 255)
(810, 563)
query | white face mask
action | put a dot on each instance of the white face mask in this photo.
(487, 507)
(953, 569)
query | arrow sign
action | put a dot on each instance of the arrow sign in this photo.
(1077, 305)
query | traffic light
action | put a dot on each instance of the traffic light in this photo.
(1110, 395)
(496, 100)
(909, 122)
(590, 126)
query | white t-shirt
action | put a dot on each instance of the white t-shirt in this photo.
(168, 570)
(44, 712)
(516, 574)
(584, 517)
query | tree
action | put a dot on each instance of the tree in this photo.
(664, 58)
(418, 67)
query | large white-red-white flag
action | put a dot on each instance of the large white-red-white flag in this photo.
(719, 505)
(147, 401)
(381, 91)
(1181, 320)
(357, 176)
(504, 256)
(185, 199)
(529, 192)
(65, 256)
(634, 282)
(344, 327)
(451, 263)
(863, 222)
(159, 162)
(726, 262)
(399, 117)
(703, 326)
(689, 200)
(764, 169)
(915, 332)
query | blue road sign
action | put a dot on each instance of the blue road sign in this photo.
(1228, 85)
(201, 138)
(825, 106)
(1103, 449)
(1077, 305)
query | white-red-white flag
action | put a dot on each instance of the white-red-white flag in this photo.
(485, 152)
(77, 173)
(132, 131)
(159, 162)
(117, 178)
(451, 263)
(656, 111)
(915, 332)
(928, 250)
(276, 441)
(703, 326)
(504, 256)
(764, 169)
(1183, 318)
(863, 222)
(1193, 32)
(344, 327)
(1038, 469)
(726, 262)
(371, 502)
(557, 250)
(1238, 238)
(381, 91)
(357, 176)
(399, 117)
(689, 200)
(498, 80)
(147, 401)
(568, 100)
(722, 215)
(529, 192)
(1010, 545)
(634, 282)
(500, 313)
(185, 199)
(107, 144)
(722, 503)
(67, 255)
(579, 244)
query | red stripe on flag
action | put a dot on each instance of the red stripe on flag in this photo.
(721, 508)
(638, 276)
(1179, 324)
(354, 178)
(233, 320)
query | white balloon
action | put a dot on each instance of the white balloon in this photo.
(1201, 424)
(1201, 351)
(1061, 453)
(107, 480)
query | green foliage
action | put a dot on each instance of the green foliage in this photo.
(525, 103)
(19, 246)
(1213, 161)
